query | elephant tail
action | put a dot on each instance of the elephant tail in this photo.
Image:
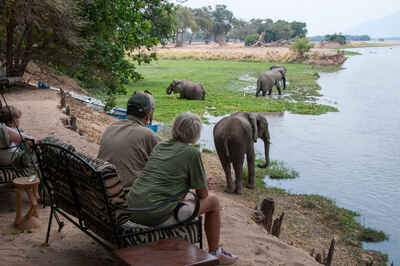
(226, 147)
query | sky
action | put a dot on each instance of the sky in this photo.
(322, 16)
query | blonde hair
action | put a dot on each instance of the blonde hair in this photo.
(186, 127)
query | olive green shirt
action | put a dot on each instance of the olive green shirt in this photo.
(173, 168)
(127, 144)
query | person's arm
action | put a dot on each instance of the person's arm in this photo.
(16, 137)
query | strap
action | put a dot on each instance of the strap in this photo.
(195, 211)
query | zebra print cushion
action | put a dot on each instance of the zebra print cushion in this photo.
(9, 173)
(130, 230)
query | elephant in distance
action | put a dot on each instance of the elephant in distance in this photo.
(270, 78)
(234, 137)
(187, 89)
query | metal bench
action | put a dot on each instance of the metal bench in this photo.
(89, 194)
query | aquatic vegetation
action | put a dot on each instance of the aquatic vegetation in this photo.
(225, 88)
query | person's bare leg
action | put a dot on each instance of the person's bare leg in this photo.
(210, 207)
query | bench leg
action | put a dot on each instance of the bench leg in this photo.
(49, 227)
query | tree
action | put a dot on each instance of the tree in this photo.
(86, 39)
(204, 21)
(302, 46)
(299, 29)
(43, 31)
(222, 22)
(186, 20)
(339, 38)
(116, 28)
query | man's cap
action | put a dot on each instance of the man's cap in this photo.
(139, 103)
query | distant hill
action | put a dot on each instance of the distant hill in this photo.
(381, 28)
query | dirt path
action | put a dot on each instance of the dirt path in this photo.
(41, 118)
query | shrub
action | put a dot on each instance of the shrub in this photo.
(302, 46)
(251, 39)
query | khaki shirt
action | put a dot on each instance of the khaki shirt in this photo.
(127, 144)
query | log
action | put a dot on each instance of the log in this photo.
(268, 208)
(276, 228)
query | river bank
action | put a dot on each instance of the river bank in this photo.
(302, 228)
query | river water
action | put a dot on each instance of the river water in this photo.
(352, 156)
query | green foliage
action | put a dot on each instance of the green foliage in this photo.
(185, 20)
(339, 38)
(221, 79)
(251, 39)
(342, 220)
(371, 235)
(278, 170)
(88, 40)
(302, 46)
(319, 38)
(115, 28)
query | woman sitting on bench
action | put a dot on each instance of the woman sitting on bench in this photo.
(15, 147)
(173, 168)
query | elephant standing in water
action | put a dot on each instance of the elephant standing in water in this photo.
(234, 136)
(187, 89)
(272, 77)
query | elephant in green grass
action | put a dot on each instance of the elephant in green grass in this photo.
(187, 89)
(234, 136)
(271, 78)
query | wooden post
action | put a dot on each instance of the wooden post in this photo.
(276, 228)
(74, 127)
(330, 253)
(67, 110)
(268, 208)
(62, 100)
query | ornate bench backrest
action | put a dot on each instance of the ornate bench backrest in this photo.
(82, 187)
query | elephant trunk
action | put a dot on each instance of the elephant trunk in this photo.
(169, 89)
(266, 149)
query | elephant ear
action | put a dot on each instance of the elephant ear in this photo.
(253, 123)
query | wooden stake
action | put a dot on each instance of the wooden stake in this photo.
(330, 253)
(276, 228)
(268, 208)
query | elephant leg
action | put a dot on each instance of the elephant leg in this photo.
(279, 88)
(228, 173)
(270, 91)
(238, 167)
(251, 166)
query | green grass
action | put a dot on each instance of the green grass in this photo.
(343, 220)
(276, 170)
(222, 80)
(366, 45)
(350, 53)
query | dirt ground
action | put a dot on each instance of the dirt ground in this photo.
(41, 118)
